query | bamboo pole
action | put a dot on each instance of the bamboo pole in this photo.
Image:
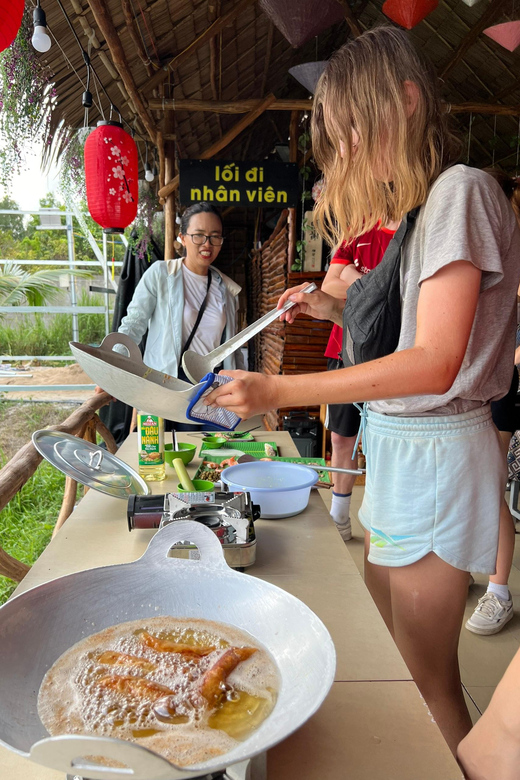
(210, 32)
(169, 174)
(491, 13)
(106, 26)
(351, 20)
(243, 106)
(134, 35)
(261, 106)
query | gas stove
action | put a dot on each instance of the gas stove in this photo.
(229, 515)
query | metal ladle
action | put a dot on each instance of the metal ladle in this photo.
(197, 366)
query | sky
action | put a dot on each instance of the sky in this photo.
(32, 184)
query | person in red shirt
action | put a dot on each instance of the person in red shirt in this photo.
(349, 263)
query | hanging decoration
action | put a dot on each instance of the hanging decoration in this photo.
(111, 173)
(11, 12)
(408, 13)
(471, 2)
(506, 34)
(301, 20)
(308, 74)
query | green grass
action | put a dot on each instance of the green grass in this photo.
(31, 335)
(27, 521)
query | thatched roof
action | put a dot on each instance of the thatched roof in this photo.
(249, 58)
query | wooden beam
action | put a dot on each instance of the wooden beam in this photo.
(134, 35)
(261, 106)
(169, 174)
(293, 137)
(243, 106)
(206, 36)
(227, 106)
(491, 13)
(106, 26)
(351, 20)
(267, 61)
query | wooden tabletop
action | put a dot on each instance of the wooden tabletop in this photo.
(373, 725)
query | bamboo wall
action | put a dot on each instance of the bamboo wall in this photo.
(283, 349)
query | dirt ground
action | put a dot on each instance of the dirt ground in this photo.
(19, 421)
(39, 375)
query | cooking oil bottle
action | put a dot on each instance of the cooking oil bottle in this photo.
(150, 446)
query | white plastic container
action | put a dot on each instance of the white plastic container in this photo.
(281, 489)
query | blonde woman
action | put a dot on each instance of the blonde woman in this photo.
(435, 471)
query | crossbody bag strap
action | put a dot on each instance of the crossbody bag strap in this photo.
(199, 317)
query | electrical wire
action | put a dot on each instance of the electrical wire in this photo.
(86, 57)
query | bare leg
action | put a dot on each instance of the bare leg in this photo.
(506, 535)
(342, 447)
(378, 583)
(428, 599)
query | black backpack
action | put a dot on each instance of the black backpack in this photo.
(372, 313)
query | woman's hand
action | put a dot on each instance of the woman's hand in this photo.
(247, 395)
(316, 304)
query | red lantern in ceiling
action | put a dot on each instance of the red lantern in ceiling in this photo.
(409, 13)
(111, 174)
(11, 12)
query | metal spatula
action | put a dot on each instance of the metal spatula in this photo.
(196, 366)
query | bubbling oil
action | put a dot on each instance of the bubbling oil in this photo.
(108, 683)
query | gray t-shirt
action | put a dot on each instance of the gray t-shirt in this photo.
(466, 217)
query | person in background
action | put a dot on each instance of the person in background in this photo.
(349, 263)
(491, 750)
(495, 608)
(435, 472)
(171, 295)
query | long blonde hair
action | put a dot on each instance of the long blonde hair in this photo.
(363, 88)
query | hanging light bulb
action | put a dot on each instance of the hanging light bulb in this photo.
(148, 173)
(40, 40)
(178, 219)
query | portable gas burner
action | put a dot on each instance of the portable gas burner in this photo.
(229, 515)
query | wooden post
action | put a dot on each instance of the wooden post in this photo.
(169, 174)
(261, 106)
(293, 157)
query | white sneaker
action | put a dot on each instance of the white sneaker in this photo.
(345, 530)
(491, 615)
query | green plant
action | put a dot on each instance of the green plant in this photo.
(36, 288)
(39, 335)
(27, 97)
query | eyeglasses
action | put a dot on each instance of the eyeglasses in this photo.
(199, 239)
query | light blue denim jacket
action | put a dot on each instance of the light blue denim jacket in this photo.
(158, 306)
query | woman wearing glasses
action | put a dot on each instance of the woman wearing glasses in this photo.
(186, 303)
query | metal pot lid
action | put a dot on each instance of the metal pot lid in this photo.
(89, 464)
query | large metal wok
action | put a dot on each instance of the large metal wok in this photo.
(39, 625)
(127, 378)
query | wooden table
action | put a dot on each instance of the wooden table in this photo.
(372, 726)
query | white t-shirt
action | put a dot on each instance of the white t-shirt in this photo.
(209, 333)
(466, 217)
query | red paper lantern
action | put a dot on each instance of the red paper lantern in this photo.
(111, 174)
(11, 12)
(408, 13)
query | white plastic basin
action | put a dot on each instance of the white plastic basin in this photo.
(281, 489)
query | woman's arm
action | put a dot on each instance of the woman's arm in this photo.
(339, 278)
(142, 306)
(491, 751)
(445, 314)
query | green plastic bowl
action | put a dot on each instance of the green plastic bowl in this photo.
(214, 441)
(186, 453)
(200, 485)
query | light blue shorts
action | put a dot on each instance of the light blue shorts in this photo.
(433, 484)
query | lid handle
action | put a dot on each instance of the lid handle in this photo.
(91, 458)
(70, 753)
(209, 546)
(121, 339)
